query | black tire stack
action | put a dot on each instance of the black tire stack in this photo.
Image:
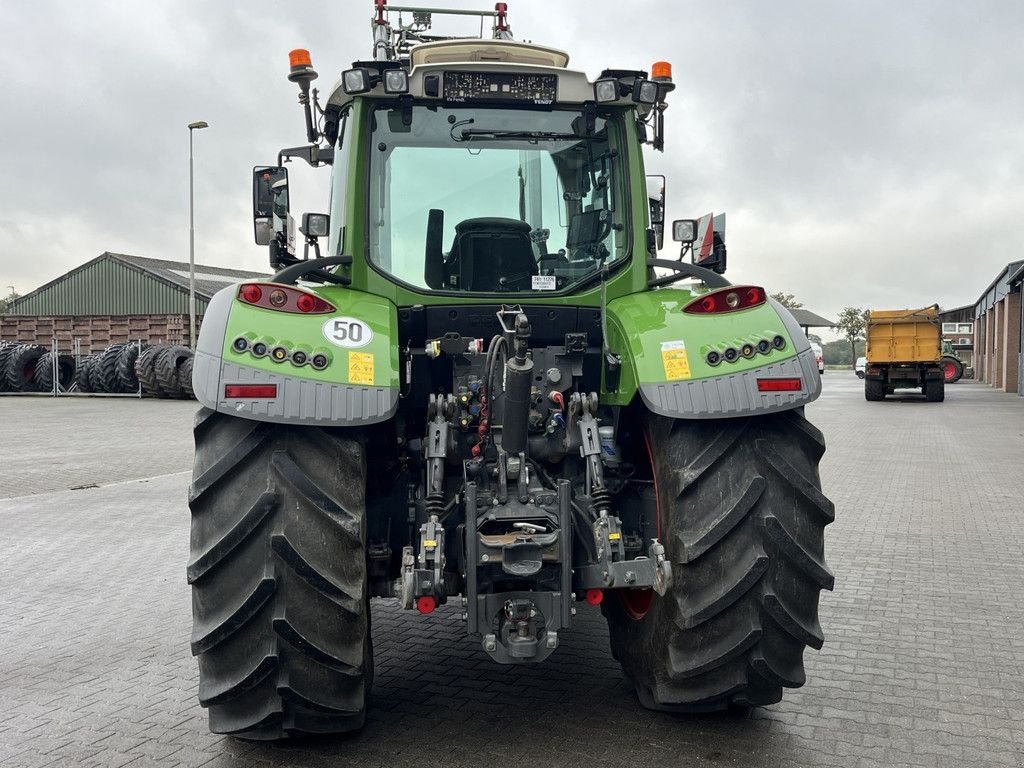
(29, 368)
(165, 370)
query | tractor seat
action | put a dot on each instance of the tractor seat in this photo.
(489, 249)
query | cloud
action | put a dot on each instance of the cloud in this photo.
(866, 153)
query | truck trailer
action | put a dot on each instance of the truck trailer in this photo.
(904, 351)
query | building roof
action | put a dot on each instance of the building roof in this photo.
(209, 280)
(1016, 275)
(956, 309)
(999, 287)
(807, 319)
(120, 284)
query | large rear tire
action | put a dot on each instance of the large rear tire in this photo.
(952, 369)
(278, 573)
(145, 371)
(166, 367)
(742, 518)
(21, 367)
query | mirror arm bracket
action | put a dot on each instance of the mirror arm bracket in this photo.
(316, 268)
(682, 270)
(313, 154)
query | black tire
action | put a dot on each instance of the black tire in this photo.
(126, 378)
(166, 366)
(952, 369)
(21, 367)
(743, 521)
(874, 390)
(145, 371)
(43, 375)
(104, 372)
(279, 579)
(83, 374)
(6, 349)
(185, 378)
(935, 390)
(860, 374)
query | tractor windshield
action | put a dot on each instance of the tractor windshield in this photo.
(481, 200)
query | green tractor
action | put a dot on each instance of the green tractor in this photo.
(483, 388)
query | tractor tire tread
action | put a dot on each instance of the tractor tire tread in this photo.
(279, 578)
(748, 564)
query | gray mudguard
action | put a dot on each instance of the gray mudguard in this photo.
(298, 401)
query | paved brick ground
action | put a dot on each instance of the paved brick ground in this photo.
(923, 663)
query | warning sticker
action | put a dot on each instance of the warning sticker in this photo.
(360, 368)
(673, 357)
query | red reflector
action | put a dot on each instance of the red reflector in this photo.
(426, 604)
(246, 391)
(251, 293)
(306, 303)
(595, 596)
(779, 385)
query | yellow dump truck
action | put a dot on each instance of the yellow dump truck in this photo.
(904, 351)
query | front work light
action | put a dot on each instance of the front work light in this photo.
(315, 224)
(606, 90)
(355, 80)
(396, 81)
(684, 230)
(645, 92)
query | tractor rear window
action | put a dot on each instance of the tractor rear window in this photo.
(493, 200)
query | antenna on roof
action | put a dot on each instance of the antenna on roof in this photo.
(394, 38)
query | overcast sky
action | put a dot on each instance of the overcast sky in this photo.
(867, 153)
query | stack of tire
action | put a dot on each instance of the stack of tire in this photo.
(29, 368)
(165, 370)
(110, 371)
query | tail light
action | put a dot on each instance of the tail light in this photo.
(283, 299)
(731, 299)
(779, 385)
(250, 391)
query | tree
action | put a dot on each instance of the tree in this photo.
(787, 300)
(852, 321)
(5, 301)
(838, 352)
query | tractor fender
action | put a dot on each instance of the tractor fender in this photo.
(359, 385)
(665, 357)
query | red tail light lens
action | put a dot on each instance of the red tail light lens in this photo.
(250, 391)
(250, 294)
(779, 385)
(731, 299)
(283, 298)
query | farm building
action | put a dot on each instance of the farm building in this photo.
(999, 331)
(115, 298)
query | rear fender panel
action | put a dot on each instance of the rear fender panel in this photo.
(665, 357)
(359, 386)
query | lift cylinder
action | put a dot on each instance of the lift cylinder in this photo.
(518, 380)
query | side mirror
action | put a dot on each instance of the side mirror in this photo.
(656, 201)
(269, 202)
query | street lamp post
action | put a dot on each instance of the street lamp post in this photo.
(192, 236)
